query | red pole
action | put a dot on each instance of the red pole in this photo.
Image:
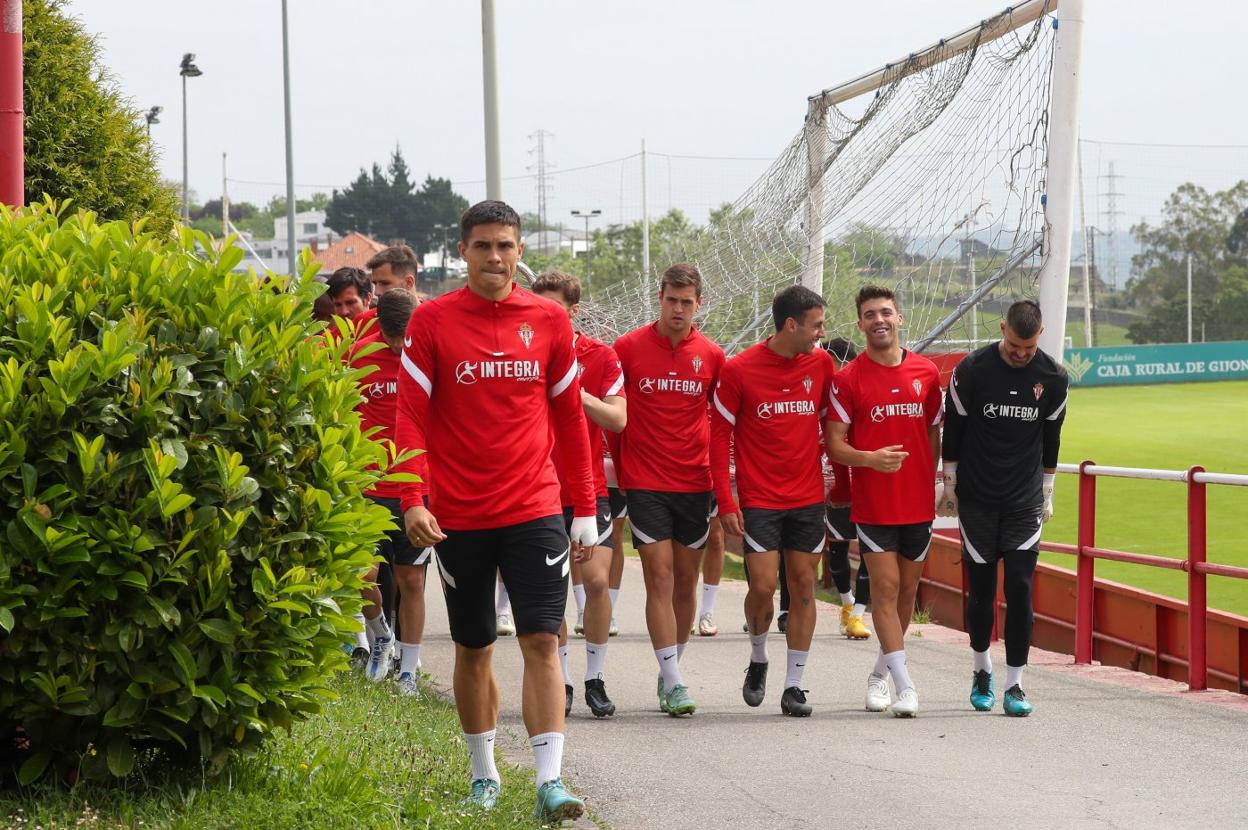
(1197, 593)
(1085, 570)
(11, 110)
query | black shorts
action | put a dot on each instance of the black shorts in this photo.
(839, 526)
(798, 529)
(396, 547)
(604, 522)
(681, 517)
(911, 541)
(619, 505)
(714, 511)
(988, 534)
(533, 560)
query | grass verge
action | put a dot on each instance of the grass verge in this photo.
(370, 760)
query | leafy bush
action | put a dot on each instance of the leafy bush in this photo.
(182, 535)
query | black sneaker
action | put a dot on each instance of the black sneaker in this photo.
(359, 658)
(782, 621)
(755, 687)
(793, 702)
(597, 700)
(567, 700)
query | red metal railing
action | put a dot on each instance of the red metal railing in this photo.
(1198, 569)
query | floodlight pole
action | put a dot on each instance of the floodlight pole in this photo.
(1189, 298)
(489, 66)
(12, 136)
(293, 255)
(1059, 201)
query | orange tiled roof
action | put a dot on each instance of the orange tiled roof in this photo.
(354, 250)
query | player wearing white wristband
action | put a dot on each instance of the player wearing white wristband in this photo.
(1003, 424)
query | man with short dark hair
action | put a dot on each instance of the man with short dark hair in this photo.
(768, 406)
(664, 467)
(490, 380)
(352, 292)
(393, 267)
(379, 353)
(885, 423)
(1003, 425)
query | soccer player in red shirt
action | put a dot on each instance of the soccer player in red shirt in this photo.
(664, 467)
(768, 405)
(490, 378)
(379, 353)
(602, 396)
(884, 421)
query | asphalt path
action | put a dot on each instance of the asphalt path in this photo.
(1103, 749)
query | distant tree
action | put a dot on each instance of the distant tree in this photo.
(83, 140)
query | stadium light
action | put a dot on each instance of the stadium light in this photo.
(188, 70)
(152, 116)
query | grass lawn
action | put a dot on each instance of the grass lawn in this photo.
(370, 760)
(1171, 427)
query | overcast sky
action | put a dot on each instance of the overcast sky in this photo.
(692, 77)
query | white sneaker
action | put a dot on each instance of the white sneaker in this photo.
(379, 662)
(707, 626)
(877, 693)
(407, 685)
(503, 625)
(614, 631)
(907, 704)
(579, 628)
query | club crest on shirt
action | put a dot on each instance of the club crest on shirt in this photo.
(918, 386)
(1038, 390)
(526, 334)
(697, 364)
(807, 383)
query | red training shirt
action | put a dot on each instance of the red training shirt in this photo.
(665, 446)
(886, 405)
(771, 407)
(601, 377)
(484, 384)
(380, 389)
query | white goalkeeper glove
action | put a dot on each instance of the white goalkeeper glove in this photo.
(1050, 479)
(947, 493)
(584, 531)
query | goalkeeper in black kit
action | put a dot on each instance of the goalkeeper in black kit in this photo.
(1003, 422)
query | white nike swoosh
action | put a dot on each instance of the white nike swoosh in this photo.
(407, 342)
(557, 559)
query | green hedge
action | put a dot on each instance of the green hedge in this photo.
(182, 535)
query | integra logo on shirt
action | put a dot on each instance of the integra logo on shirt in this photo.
(381, 389)
(649, 386)
(769, 409)
(896, 410)
(469, 372)
(1001, 410)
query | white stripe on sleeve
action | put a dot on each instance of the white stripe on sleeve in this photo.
(564, 382)
(615, 387)
(723, 410)
(417, 375)
(957, 402)
(1059, 409)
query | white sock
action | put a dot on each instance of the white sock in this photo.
(859, 609)
(983, 660)
(378, 627)
(409, 658)
(481, 755)
(578, 592)
(548, 752)
(361, 636)
(596, 660)
(758, 648)
(708, 598)
(669, 666)
(897, 668)
(797, 665)
(1013, 676)
(614, 593)
(563, 662)
(881, 665)
(503, 604)
(847, 598)
(680, 650)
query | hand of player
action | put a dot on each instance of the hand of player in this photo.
(732, 523)
(421, 527)
(584, 535)
(947, 492)
(1050, 480)
(887, 459)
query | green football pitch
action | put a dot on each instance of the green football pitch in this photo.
(1169, 427)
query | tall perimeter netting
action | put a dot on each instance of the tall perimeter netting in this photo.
(932, 184)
